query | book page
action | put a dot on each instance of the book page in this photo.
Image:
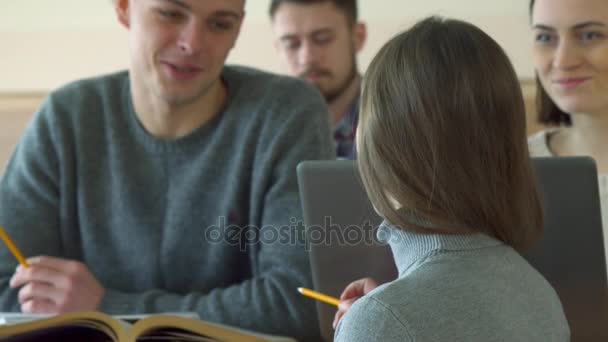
(161, 326)
(18, 317)
(85, 326)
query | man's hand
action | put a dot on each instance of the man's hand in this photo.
(52, 285)
(351, 293)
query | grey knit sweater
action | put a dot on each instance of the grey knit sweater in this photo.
(210, 222)
(456, 288)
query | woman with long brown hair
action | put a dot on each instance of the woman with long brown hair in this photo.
(443, 158)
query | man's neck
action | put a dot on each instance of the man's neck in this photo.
(164, 120)
(586, 136)
(341, 104)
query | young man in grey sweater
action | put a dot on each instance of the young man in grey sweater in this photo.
(170, 187)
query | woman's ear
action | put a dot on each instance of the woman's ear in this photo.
(121, 7)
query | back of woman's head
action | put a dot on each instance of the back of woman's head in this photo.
(442, 133)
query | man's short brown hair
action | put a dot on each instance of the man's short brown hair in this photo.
(349, 7)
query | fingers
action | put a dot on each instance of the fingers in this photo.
(52, 285)
(358, 288)
(337, 318)
(59, 272)
(67, 266)
(347, 303)
(39, 293)
(351, 294)
(369, 284)
(342, 308)
(38, 306)
(37, 273)
(37, 290)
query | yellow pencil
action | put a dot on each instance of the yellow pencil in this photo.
(319, 296)
(13, 248)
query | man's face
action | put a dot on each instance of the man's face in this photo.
(178, 47)
(318, 43)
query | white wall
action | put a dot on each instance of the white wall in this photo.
(45, 43)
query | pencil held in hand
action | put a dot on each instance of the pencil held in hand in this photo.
(319, 296)
(11, 246)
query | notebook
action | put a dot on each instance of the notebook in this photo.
(7, 318)
(94, 326)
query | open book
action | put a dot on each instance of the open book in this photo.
(96, 326)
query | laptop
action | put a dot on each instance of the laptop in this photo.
(340, 220)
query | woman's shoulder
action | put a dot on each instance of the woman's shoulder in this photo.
(372, 319)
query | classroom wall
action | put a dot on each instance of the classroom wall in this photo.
(45, 43)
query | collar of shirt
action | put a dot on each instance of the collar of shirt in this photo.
(344, 133)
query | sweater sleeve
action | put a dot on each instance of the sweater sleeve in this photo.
(370, 320)
(268, 302)
(29, 200)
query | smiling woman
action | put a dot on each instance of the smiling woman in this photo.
(571, 62)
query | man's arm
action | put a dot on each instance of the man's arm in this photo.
(29, 200)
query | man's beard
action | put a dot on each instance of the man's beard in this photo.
(335, 92)
(332, 94)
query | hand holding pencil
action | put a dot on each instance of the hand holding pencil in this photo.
(56, 285)
(83, 291)
(351, 293)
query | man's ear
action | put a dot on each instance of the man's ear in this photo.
(359, 35)
(121, 7)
